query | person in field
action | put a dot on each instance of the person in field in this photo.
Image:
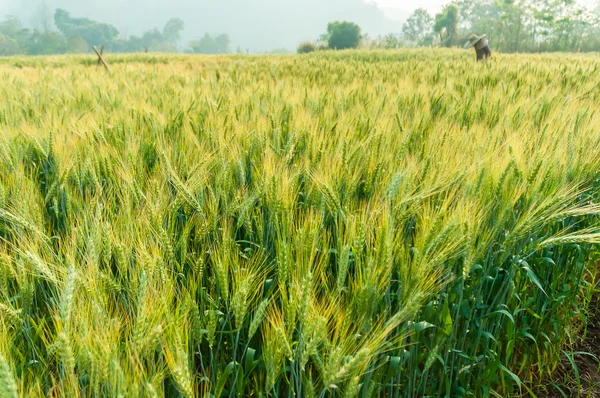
(481, 45)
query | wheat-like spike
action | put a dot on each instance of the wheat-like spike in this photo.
(8, 383)
(258, 317)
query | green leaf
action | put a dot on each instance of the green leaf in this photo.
(393, 367)
(548, 260)
(446, 326)
(249, 359)
(512, 375)
(524, 333)
(503, 312)
(420, 326)
(489, 336)
(534, 279)
(575, 369)
(223, 377)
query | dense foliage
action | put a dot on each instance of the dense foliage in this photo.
(342, 35)
(306, 47)
(78, 35)
(380, 223)
(511, 25)
(219, 44)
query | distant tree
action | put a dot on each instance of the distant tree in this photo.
(45, 43)
(13, 37)
(76, 44)
(134, 44)
(9, 46)
(211, 45)
(322, 46)
(343, 35)
(153, 39)
(222, 43)
(390, 41)
(418, 26)
(446, 24)
(172, 30)
(206, 45)
(94, 33)
(306, 47)
(12, 27)
(43, 17)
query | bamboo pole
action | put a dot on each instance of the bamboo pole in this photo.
(101, 53)
(100, 58)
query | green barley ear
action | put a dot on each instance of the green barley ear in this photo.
(342, 273)
(257, 320)
(283, 263)
(10, 315)
(198, 268)
(309, 387)
(64, 351)
(333, 366)
(239, 302)
(272, 356)
(167, 244)
(355, 366)
(179, 367)
(222, 273)
(395, 185)
(195, 323)
(8, 383)
(150, 391)
(305, 296)
(431, 358)
(352, 387)
(66, 303)
(141, 327)
(284, 344)
(211, 326)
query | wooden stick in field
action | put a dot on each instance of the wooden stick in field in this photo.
(100, 58)
(101, 53)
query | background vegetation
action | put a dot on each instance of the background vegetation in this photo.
(404, 223)
(511, 26)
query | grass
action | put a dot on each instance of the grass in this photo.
(363, 223)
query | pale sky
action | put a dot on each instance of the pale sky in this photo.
(401, 8)
(408, 6)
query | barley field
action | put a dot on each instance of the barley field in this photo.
(356, 224)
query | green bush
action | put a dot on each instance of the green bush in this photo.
(343, 35)
(307, 47)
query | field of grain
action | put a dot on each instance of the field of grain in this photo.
(398, 224)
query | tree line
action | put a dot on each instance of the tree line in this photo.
(77, 35)
(510, 26)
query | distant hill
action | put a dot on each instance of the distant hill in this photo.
(258, 25)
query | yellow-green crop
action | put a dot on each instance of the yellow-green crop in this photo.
(404, 224)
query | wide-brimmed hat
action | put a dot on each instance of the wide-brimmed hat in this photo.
(473, 39)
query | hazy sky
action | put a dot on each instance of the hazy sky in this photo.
(400, 6)
(432, 5)
(409, 6)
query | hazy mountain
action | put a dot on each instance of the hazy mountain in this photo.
(258, 25)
